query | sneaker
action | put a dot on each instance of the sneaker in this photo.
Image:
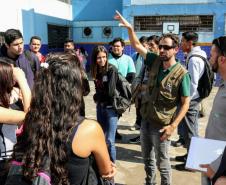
(181, 167)
(182, 158)
(136, 127)
(178, 143)
(135, 140)
(201, 115)
(118, 136)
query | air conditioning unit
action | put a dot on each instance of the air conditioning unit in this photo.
(107, 31)
(87, 32)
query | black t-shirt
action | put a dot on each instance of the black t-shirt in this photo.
(105, 85)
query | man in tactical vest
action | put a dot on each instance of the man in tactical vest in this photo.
(168, 87)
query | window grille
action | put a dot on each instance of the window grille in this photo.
(197, 23)
(57, 36)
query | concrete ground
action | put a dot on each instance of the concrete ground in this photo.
(130, 168)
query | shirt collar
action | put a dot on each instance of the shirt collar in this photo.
(169, 69)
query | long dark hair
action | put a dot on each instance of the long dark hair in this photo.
(94, 66)
(53, 112)
(6, 82)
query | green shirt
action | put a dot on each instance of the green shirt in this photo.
(185, 84)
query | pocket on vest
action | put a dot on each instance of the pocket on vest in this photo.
(162, 116)
(166, 98)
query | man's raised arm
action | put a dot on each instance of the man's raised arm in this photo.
(132, 36)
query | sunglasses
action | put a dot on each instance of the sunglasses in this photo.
(166, 47)
(220, 46)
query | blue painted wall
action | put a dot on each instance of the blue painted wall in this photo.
(95, 14)
(95, 10)
(97, 31)
(36, 24)
(217, 9)
(99, 13)
(86, 11)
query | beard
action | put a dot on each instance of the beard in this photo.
(164, 58)
(215, 67)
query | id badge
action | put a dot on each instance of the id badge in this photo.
(105, 78)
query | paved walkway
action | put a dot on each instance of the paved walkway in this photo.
(129, 161)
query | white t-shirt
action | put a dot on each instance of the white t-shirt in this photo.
(9, 131)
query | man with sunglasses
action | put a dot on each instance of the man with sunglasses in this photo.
(195, 66)
(216, 127)
(168, 86)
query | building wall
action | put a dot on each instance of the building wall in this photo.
(95, 10)
(32, 16)
(95, 14)
(142, 2)
(84, 16)
(217, 8)
(204, 7)
(97, 31)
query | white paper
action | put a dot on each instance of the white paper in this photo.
(203, 151)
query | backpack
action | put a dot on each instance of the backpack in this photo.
(15, 176)
(205, 83)
(137, 55)
(123, 95)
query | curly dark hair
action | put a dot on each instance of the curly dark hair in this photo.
(53, 113)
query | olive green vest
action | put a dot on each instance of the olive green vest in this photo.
(160, 102)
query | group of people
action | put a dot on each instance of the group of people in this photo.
(170, 98)
(42, 98)
(43, 107)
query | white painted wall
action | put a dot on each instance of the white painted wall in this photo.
(11, 11)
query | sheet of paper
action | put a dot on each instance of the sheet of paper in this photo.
(203, 151)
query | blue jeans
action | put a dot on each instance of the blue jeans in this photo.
(155, 151)
(108, 119)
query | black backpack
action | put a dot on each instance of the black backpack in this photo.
(205, 83)
(123, 95)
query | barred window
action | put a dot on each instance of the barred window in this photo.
(197, 23)
(57, 35)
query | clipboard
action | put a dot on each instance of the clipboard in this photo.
(203, 151)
